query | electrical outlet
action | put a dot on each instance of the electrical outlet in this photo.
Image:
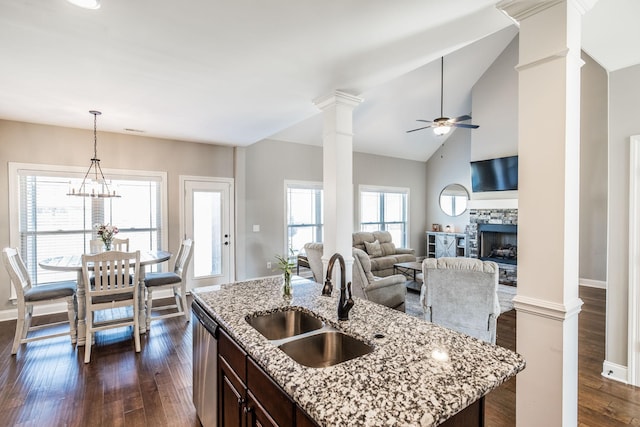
(269, 265)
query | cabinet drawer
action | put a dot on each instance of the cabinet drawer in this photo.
(233, 354)
(274, 400)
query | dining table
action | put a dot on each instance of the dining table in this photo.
(74, 263)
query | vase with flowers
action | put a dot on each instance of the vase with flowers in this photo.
(286, 266)
(105, 233)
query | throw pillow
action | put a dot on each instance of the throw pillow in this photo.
(373, 249)
(388, 248)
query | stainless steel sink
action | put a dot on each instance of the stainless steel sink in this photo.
(325, 349)
(284, 324)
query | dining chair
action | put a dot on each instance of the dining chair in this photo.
(175, 280)
(112, 279)
(120, 244)
(97, 245)
(30, 295)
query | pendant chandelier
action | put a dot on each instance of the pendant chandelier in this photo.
(94, 184)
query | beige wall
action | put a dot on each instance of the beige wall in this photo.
(52, 145)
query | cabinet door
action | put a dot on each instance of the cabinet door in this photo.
(445, 245)
(232, 396)
(271, 397)
(257, 416)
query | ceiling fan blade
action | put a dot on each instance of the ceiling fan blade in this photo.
(413, 130)
(426, 121)
(464, 125)
(460, 119)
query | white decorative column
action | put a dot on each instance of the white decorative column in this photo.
(547, 302)
(337, 176)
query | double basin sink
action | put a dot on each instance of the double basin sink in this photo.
(307, 339)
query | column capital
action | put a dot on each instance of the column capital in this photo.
(337, 97)
(522, 9)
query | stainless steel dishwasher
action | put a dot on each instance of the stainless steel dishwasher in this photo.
(205, 365)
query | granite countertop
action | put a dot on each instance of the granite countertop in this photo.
(400, 383)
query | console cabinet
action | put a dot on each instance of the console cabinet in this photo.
(247, 396)
(440, 244)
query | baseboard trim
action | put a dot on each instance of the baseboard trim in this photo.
(60, 307)
(614, 371)
(600, 284)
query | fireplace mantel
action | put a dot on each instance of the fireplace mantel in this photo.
(493, 204)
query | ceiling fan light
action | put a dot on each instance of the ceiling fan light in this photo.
(86, 4)
(441, 130)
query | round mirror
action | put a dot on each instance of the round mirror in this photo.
(453, 199)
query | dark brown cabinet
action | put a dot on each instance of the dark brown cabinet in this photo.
(247, 396)
(232, 395)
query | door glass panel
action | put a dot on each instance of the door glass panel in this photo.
(207, 219)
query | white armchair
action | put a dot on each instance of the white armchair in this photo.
(462, 294)
(389, 291)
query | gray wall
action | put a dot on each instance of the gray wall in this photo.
(448, 165)
(369, 169)
(52, 145)
(624, 121)
(593, 171)
(495, 109)
(495, 102)
(269, 163)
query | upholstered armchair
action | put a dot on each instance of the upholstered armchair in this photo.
(461, 294)
(389, 291)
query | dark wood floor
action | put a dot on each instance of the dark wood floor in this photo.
(601, 402)
(47, 383)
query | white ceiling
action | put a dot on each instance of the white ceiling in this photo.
(236, 72)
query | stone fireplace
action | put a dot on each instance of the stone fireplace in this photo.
(493, 236)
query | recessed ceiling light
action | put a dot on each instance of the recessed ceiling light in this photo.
(87, 4)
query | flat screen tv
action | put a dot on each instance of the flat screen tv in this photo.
(495, 174)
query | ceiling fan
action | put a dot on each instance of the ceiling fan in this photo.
(442, 125)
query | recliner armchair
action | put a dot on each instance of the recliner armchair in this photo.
(461, 294)
(389, 291)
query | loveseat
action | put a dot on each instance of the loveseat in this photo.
(382, 254)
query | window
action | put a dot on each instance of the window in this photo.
(304, 214)
(45, 222)
(385, 209)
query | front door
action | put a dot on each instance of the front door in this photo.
(208, 220)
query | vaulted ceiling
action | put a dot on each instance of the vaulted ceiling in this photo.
(236, 72)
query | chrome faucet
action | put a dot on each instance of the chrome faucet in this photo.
(346, 301)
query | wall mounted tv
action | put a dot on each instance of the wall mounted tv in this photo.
(495, 174)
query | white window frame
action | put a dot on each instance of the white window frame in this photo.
(384, 189)
(296, 184)
(16, 169)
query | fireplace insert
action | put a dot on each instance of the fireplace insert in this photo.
(498, 243)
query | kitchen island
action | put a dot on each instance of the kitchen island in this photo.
(418, 374)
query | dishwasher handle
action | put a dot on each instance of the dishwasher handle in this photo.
(205, 319)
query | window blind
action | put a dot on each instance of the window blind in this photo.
(51, 223)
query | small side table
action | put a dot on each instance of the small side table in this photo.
(302, 261)
(413, 270)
